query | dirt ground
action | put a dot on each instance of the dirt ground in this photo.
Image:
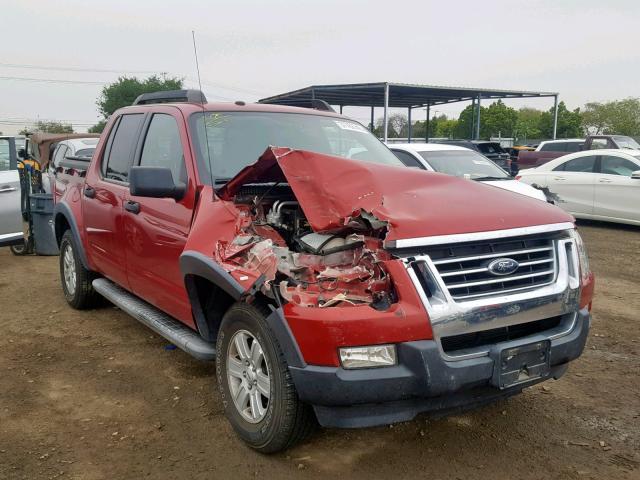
(95, 395)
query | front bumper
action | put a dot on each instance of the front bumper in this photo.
(422, 381)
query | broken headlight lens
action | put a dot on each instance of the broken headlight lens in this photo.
(368, 357)
(582, 256)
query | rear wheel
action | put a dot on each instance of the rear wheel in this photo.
(259, 398)
(76, 279)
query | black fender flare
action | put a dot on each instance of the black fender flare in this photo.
(194, 264)
(62, 210)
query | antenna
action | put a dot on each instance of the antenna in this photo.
(204, 118)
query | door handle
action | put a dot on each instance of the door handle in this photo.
(7, 189)
(89, 192)
(559, 178)
(605, 180)
(133, 207)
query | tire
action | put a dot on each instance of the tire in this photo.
(76, 280)
(282, 420)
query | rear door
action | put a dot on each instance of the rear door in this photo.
(104, 197)
(157, 233)
(574, 183)
(10, 215)
(617, 195)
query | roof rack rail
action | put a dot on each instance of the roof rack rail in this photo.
(171, 96)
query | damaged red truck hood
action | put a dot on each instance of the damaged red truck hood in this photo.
(413, 203)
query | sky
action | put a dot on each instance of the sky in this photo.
(55, 56)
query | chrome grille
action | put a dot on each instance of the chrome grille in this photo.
(464, 267)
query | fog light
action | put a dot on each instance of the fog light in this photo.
(368, 357)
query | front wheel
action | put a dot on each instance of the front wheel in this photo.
(76, 280)
(259, 398)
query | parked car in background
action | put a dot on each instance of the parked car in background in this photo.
(327, 280)
(516, 149)
(460, 162)
(599, 185)
(72, 152)
(551, 149)
(10, 213)
(492, 150)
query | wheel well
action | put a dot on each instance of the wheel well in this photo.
(61, 226)
(209, 303)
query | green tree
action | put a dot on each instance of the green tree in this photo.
(125, 90)
(616, 117)
(528, 124)
(497, 119)
(463, 128)
(47, 127)
(569, 123)
(98, 127)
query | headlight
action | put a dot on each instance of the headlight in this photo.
(368, 357)
(582, 256)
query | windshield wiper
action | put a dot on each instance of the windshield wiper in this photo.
(483, 179)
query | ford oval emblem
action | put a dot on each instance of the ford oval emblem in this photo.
(503, 266)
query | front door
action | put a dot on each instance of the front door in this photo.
(573, 182)
(156, 230)
(104, 196)
(617, 194)
(10, 214)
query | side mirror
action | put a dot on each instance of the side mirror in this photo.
(22, 153)
(154, 182)
(635, 175)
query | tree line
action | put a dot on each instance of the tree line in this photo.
(615, 117)
(618, 116)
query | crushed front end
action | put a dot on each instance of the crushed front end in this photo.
(388, 325)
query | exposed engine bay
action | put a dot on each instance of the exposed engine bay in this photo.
(312, 269)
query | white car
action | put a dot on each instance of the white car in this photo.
(594, 184)
(460, 162)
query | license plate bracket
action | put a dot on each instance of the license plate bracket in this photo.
(521, 364)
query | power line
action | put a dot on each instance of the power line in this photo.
(118, 72)
(52, 80)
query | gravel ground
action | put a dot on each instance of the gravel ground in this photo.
(95, 395)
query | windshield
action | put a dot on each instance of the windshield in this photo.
(462, 163)
(490, 148)
(237, 139)
(627, 142)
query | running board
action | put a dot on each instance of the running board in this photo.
(161, 323)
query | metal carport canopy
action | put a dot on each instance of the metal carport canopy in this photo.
(398, 95)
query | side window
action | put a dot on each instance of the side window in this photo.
(580, 164)
(614, 165)
(407, 159)
(59, 155)
(162, 147)
(119, 154)
(553, 147)
(4, 154)
(574, 146)
(599, 143)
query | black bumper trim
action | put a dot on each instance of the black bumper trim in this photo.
(422, 381)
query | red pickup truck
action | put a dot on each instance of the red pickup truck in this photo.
(328, 282)
(548, 150)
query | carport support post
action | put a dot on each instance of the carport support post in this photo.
(372, 119)
(555, 116)
(478, 120)
(386, 112)
(473, 118)
(426, 124)
(410, 126)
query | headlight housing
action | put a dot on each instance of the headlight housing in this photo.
(372, 356)
(582, 256)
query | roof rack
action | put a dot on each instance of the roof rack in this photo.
(171, 96)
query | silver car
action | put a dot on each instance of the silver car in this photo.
(10, 214)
